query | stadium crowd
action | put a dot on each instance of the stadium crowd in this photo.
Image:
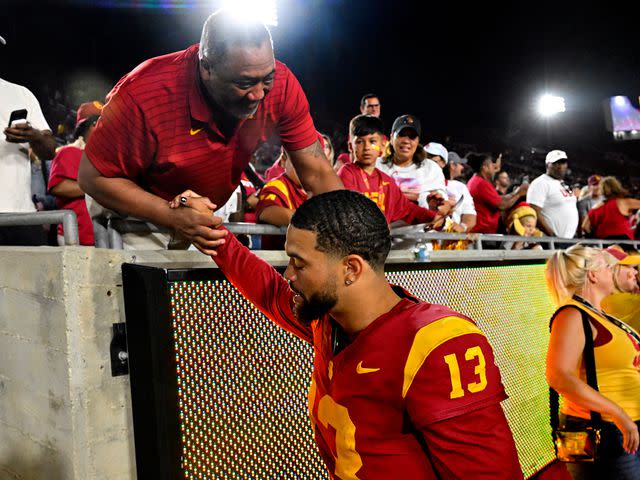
(452, 191)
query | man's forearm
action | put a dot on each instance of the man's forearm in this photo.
(315, 172)
(128, 199)
(67, 188)
(542, 223)
(509, 200)
(123, 195)
(44, 145)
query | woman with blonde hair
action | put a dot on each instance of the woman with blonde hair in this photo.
(611, 219)
(578, 280)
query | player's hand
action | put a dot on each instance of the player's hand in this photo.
(629, 430)
(22, 133)
(194, 220)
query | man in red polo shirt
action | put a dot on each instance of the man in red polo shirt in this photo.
(191, 120)
(488, 202)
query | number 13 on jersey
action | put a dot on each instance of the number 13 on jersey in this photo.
(473, 354)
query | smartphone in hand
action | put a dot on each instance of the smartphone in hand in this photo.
(17, 117)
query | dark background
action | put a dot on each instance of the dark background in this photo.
(471, 73)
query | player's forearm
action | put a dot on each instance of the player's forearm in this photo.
(261, 284)
(485, 451)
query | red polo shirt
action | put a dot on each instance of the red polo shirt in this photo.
(486, 200)
(158, 130)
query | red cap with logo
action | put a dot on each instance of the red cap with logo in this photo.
(88, 109)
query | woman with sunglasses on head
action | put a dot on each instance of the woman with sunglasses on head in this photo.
(405, 161)
(578, 280)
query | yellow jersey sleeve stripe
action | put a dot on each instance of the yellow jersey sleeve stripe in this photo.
(430, 337)
(279, 185)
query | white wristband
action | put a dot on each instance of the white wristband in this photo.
(464, 225)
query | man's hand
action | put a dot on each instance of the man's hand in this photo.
(522, 189)
(22, 133)
(42, 141)
(195, 221)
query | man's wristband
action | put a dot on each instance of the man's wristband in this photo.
(464, 225)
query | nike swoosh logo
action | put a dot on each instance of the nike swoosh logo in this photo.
(361, 369)
(195, 132)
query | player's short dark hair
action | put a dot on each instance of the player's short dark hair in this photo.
(362, 125)
(367, 97)
(346, 223)
(223, 30)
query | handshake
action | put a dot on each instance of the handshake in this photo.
(194, 219)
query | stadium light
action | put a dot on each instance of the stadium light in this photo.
(549, 105)
(262, 10)
(620, 100)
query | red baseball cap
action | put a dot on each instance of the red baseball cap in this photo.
(86, 110)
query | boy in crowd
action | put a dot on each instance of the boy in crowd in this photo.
(366, 135)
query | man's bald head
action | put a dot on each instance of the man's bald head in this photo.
(224, 30)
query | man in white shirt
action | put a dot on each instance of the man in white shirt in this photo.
(553, 200)
(15, 166)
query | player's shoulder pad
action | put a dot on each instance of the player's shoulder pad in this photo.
(433, 330)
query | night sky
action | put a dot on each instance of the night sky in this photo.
(469, 73)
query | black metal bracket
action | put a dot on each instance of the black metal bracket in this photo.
(118, 349)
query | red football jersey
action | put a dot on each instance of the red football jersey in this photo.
(415, 395)
(280, 192)
(382, 189)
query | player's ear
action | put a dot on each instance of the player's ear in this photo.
(353, 267)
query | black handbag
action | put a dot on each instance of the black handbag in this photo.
(578, 443)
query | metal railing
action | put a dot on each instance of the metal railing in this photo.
(408, 236)
(416, 233)
(66, 217)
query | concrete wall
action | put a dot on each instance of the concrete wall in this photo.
(62, 415)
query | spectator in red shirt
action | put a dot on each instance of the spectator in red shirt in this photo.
(191, 120)
(63, 177)
(488, 202)
(362, 176)
(611, 219)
